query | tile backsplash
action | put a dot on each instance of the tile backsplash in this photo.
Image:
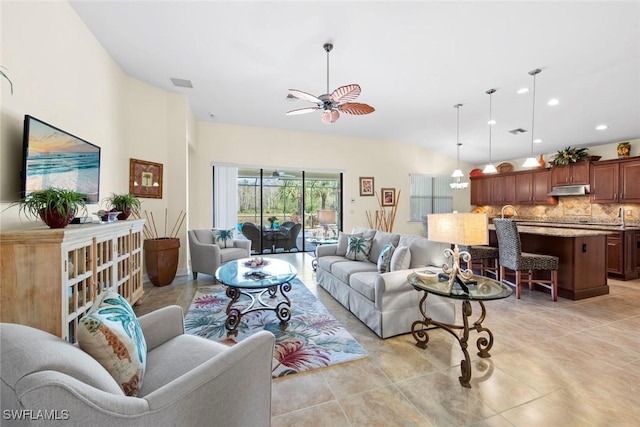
(575, 208)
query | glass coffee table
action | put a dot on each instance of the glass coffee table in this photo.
(261, 284)
(485, 289)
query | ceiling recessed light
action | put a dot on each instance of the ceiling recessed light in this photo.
(491, 122)
(523, 90)
(602, 127)
(537, 141)
(553, 101)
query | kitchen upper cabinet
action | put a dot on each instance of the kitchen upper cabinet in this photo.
(630, 181)
(480, 191)
(503, 189)
(615, 181)
(524, 188)
(541, 181)
(572, 174)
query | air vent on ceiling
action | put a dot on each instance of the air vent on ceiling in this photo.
(517, 131)
(181, 82)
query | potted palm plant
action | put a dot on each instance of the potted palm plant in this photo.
(55, 206)
(125, 203)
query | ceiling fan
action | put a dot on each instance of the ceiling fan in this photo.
(281, 174)
(339, 100)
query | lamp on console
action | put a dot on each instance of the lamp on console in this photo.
(459, 229)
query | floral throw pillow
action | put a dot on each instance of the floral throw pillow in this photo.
(224, 238)
(384, 260)
(358, 248)
(111, 334)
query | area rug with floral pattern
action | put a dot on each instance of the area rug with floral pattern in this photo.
(313, 338)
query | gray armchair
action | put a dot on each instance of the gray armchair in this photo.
(207, 256)
(189, 380)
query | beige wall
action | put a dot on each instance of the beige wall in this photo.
(390, 163)
(67, 79)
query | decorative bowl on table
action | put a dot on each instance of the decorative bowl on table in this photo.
(256, 262)
(107, 217)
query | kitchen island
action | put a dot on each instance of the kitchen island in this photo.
(582, 254)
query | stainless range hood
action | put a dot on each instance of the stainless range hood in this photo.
(570, 190)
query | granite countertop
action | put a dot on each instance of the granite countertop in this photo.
(557, 231)
(608, 226)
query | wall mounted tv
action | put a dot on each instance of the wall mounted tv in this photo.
(55, 158)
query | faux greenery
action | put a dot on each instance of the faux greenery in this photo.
(54, 199)
(570, 155)
(124, 202)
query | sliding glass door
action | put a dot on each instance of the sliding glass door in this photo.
(287, 211)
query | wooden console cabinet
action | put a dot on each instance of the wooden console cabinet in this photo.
(50, 277)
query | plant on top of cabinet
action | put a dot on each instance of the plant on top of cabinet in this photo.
(570, 155)
(125, 203)
(55, 206)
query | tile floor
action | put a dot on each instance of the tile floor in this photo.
(568, 363)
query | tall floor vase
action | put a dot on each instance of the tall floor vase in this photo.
(161, 259)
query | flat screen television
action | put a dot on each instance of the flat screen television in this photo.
(55, 158)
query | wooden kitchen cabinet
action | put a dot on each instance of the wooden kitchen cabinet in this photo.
(541, 181)
(615, 181)
(572, 174)
(480, 191)
(622, 254)
(51, 277)
(503, 189)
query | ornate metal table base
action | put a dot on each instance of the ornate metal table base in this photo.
(420, 327)
(234, 314)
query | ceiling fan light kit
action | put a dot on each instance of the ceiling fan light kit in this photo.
(332, 103)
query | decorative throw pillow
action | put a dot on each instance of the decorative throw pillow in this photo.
(223, 238)
(384, 260)
(401, 258)
(358, 248)
(343, 242)
(111, 334)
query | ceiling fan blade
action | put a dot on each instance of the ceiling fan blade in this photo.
(356, 108)
(302, 111)
(330, 116)
(345, 93)
(306, 96)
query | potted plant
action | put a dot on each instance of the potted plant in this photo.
(570, 155)
(125, 203)
(55, 206)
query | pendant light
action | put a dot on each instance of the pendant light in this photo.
(490, 168)
(457, 184)
(532, 162)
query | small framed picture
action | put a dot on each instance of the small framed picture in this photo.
(388, 197)
(366, 186)
(145, 179)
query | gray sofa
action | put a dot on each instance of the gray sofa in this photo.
(189, 380)
(385, 302)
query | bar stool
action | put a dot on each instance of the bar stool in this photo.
(512, 258)
(484, 259)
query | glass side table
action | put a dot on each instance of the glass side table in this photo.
(484, 290)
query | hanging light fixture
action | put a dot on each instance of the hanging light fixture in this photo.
(532, 161)
(457, 184)
(490, 168)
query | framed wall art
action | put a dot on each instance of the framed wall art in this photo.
(145, 179)
(388, 197)
(366, 186)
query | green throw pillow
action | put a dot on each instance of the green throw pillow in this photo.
(384, 260)
(223, 238)
(358, 248)
(111, 334)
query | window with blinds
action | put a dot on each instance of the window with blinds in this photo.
(429, 194)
